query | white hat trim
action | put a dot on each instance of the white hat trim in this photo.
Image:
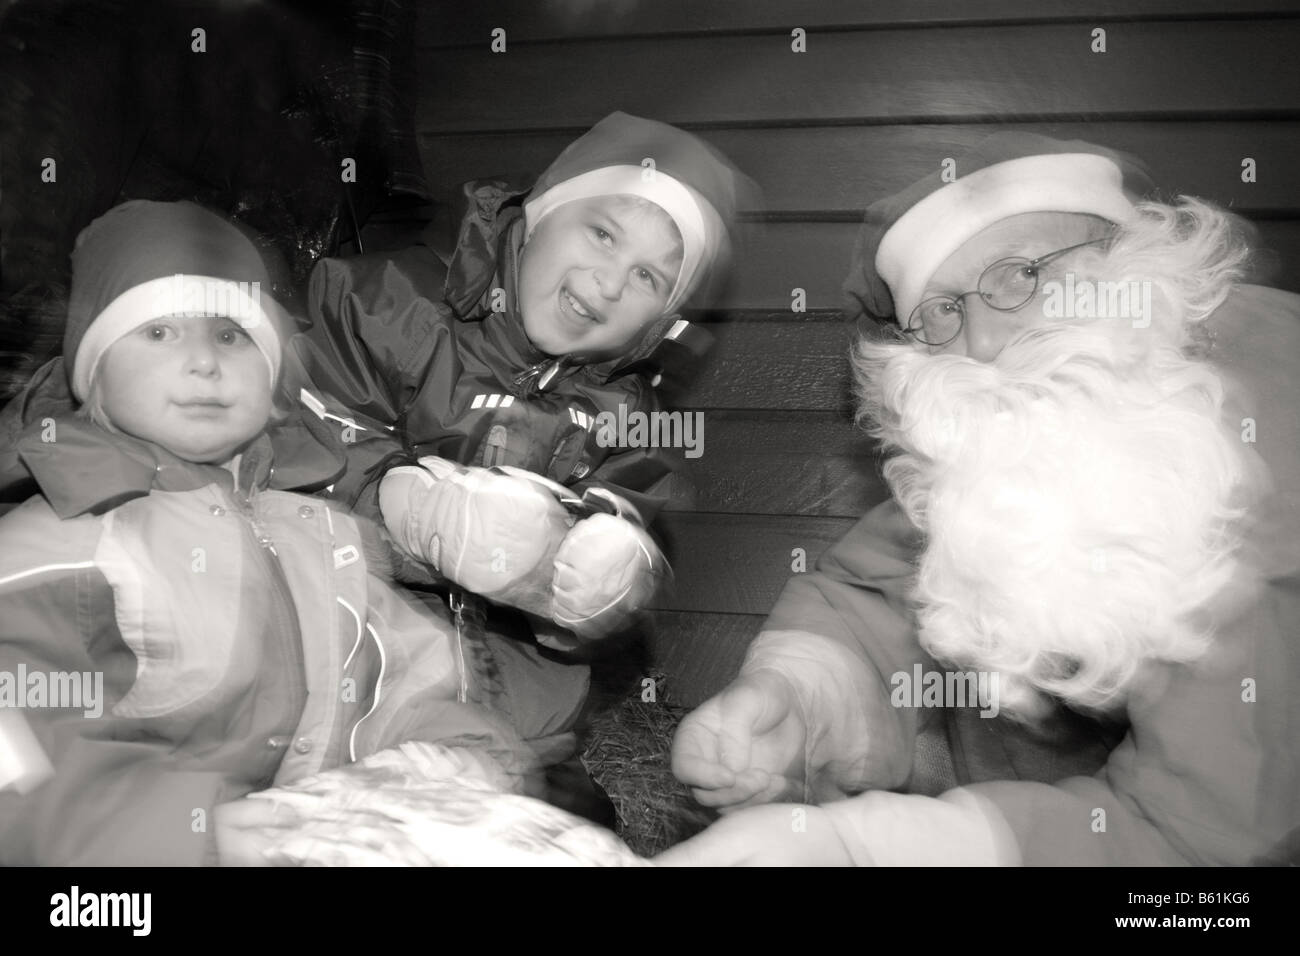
(927, 234)
(188, 296)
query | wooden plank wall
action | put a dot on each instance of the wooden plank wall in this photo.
(884, 92)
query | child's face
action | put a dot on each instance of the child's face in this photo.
(595, 273)
(198, 387)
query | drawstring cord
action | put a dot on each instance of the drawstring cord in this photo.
(456, 600)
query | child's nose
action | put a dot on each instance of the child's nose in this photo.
(610, 280)
(201, 357)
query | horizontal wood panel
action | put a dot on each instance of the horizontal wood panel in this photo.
(1167, 69)
(847, 168)
(779, 463)
(814, 256)
(773, 258)
(737, 564)
(773, 364)
(529, 20)
(700, 652)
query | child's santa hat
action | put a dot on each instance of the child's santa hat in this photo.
(678, 172)
(906, 237)
(145, 260)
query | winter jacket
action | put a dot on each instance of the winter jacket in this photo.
(1208, 771)
(422, 365)
(244, 634)
(436, 361)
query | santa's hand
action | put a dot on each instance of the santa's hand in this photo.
(606, 569)
(245, 829)
(494, 533)
(780, 834)
(745, 745)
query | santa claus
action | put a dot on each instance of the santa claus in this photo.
(1093, 432)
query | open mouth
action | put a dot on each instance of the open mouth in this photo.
(576, 307)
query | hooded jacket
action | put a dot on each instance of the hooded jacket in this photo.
(433, 360)
(244, 633)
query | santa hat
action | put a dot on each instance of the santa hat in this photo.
(906, 237)
(144, 260)
(693, 183)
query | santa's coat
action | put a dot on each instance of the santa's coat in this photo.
(1206, 772)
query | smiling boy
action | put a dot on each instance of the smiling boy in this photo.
(596, 272)
(552, 308)
(468, 393)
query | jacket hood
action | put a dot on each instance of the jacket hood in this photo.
(88, 470)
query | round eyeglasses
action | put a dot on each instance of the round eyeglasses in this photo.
(1007, 285)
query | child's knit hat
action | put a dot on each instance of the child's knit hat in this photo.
(906, 237)
(680, 173)
(144, 260)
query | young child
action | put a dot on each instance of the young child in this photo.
(222, 633)
(472, 393)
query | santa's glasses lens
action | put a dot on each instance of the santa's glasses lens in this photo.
(1006, 285)
(1009, 283)
(936, 321)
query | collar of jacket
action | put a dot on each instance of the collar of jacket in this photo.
(87, 470)
(486, 258)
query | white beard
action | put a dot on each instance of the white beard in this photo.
(1078, 496)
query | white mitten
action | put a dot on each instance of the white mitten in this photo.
(606, 569)
(492, 531)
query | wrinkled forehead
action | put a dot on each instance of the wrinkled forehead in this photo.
(1028, 235)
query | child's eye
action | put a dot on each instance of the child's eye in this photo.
(232, 335)
(600, 234)
(648, 277)
(157, 332)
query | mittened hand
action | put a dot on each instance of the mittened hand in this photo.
(606, 569)
(504, 534)
(494, 533)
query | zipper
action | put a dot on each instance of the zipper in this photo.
(282, 621)
(524, 380)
